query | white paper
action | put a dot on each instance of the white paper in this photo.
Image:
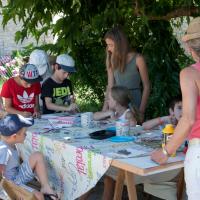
(127, 153)
(54, 115)
(62, 122)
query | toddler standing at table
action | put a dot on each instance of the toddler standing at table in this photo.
(121, 106)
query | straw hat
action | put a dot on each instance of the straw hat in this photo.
(193, 30)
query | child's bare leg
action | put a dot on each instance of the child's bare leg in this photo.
(109, 187)
(37, 164)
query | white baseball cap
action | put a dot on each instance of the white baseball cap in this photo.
(66, 63)
(39, 58)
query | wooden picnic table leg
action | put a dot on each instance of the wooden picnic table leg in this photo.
(119, 185)
(132, 193)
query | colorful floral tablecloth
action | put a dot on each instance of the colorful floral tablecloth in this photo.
(73, 168)
(75, 162)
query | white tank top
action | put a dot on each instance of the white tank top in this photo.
(123, 116)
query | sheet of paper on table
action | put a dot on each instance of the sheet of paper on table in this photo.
(127, 153)
(41, 124)
(145, 162)
(54, 115)
(62, 122)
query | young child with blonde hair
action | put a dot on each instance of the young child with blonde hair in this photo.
(121, 106)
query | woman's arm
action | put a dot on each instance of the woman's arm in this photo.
(140, 62)
(190, 93)
(110, 84)
(130, 117)
(110, 78)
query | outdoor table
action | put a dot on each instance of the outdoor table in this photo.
(139, 166)
(75, 162)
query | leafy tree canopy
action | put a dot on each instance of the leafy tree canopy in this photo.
(82, 25)
(86, 15)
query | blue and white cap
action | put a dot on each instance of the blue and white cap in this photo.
(66, 63)
(12, 123)
(30, 73)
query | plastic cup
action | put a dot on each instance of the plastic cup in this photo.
(122, 128)
(87, 119)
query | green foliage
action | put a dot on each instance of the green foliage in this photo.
(26, 51)
(163, 66)
(80, 30)
(88, 106)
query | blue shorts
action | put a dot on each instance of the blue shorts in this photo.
(25, 174)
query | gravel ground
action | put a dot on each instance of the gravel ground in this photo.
(97, 192)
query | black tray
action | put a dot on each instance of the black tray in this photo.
(103, 134)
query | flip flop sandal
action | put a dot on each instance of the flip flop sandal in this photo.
(49, 196)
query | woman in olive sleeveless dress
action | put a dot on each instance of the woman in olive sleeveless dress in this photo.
(126, 68)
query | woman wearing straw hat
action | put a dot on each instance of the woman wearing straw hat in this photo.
(189, 124)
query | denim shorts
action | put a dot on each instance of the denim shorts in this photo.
(25, 174)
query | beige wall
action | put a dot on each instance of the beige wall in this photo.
(7, 38)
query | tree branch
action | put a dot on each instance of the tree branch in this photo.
(180, 12)
(137, 10)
